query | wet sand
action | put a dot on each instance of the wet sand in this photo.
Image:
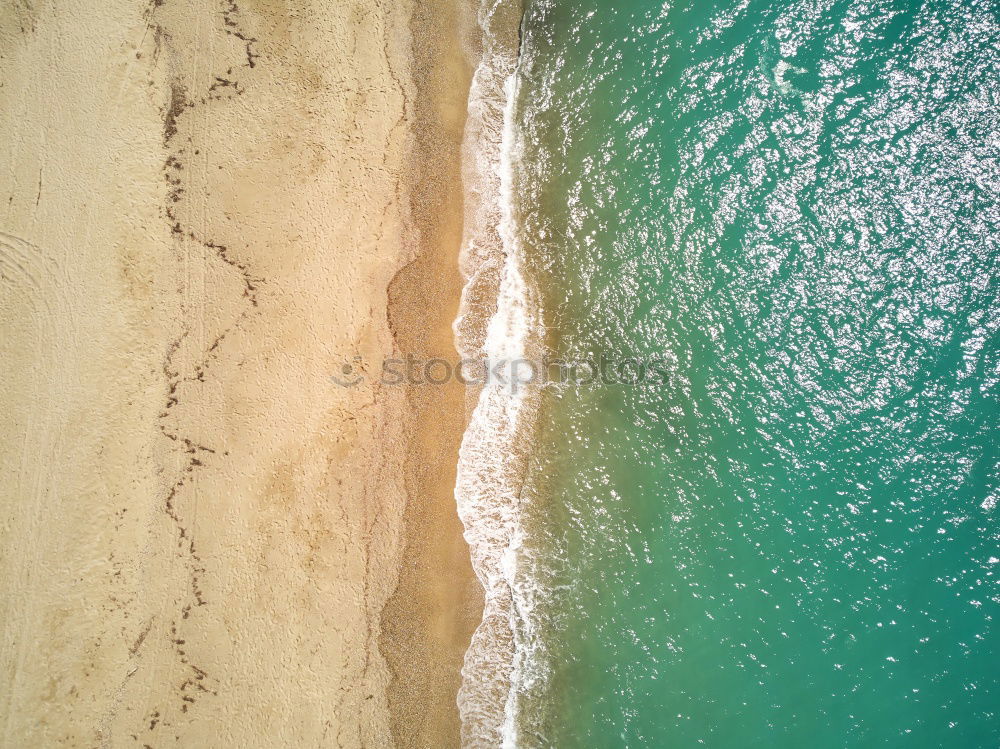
(429, 621)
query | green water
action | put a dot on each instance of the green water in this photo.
(793, 540)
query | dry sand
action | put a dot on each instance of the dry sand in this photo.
(206, 208)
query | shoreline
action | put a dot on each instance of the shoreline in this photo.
(496, 321)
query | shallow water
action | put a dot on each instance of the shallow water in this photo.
(791, 539)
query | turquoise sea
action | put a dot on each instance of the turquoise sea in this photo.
(791, 539)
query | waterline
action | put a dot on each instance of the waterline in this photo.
(498, 321)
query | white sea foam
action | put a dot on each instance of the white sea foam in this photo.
(498, 320)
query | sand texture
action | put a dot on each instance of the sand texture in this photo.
(206, 208)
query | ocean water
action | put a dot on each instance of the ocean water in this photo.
(789, 537)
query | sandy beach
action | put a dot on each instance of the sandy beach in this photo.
(206, 211)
